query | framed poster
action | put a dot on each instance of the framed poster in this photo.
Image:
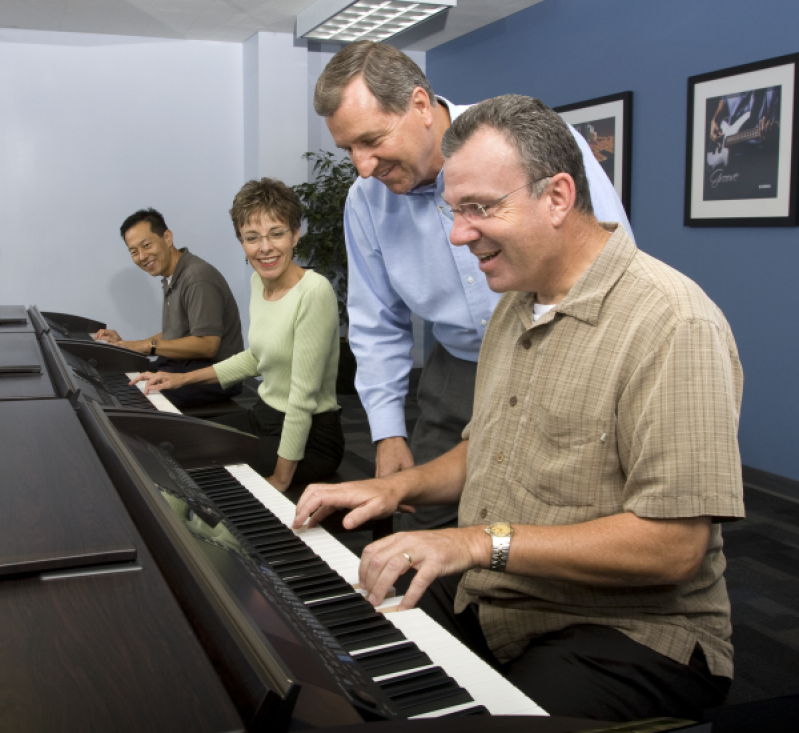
(741, 152)
(606, 124)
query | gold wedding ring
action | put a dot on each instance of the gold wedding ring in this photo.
(408, 558)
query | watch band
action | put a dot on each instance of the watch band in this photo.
(500, 534)
(499, 552)
(153, 345)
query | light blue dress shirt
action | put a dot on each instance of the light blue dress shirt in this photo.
(400, 262)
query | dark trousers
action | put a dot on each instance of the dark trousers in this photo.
(588, 671)
(446, 398)
(324, 448)
(192, 395)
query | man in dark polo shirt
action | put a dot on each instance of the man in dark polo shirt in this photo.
(200, 322)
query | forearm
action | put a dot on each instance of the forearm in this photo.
(619, 550)
(155, 382)
(283, 474)
(187, 347)
(438, 482)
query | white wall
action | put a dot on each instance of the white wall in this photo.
(94, 127)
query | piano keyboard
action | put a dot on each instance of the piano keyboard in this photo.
(423, 669)
(161, 403)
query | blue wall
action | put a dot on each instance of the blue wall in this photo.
(566, 51)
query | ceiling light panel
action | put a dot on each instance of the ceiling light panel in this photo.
(344, 21)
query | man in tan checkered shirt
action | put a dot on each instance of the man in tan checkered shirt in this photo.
(601, 456)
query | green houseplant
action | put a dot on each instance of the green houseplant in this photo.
(322, 247)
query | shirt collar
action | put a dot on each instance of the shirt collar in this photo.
(184, 256)
(438, 185)
(584, 300)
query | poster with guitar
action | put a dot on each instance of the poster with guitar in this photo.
(742, 145)
(741, 148)
(606, 125)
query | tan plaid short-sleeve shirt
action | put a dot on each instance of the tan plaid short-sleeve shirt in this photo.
(625, 397)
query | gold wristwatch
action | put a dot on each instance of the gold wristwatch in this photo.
(500, 534)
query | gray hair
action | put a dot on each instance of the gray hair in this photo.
(542, 140)
(388, 73)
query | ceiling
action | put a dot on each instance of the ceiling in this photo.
(226, 20)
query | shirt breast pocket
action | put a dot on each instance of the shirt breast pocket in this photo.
(563, 459)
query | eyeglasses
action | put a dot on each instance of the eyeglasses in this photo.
(475, 212)
(273, 237)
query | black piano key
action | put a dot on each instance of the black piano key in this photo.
(286, 554)
(317, 581)
(330, 589)
(425, 691)
(221, 489)
(299, 572)
(321, 571)
(367, 638)
(306, 586)
(221, 486)
(285, 568)
(291, 559)
(239, 503)
(391, 660)
(264, 542)
(117, 387)
(265, 532)
(424, 679)
(434, 700)
(359, 621)
(476, 710)
(251, 518)
(345, 614)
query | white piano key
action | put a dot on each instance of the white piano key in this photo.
(161, 403)
(318, 539)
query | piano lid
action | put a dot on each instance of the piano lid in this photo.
(13, 315)
(19, 354)
(58, 507)
(23, 374)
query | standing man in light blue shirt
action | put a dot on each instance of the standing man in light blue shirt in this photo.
(380, 108)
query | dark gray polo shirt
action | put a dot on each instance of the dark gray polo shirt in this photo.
(198, 302)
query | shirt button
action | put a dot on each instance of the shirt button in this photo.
(484, 512)
(483, 322)
(513, 401)
(500, 457)
(477, 570)
(470, 280)
(526, 343)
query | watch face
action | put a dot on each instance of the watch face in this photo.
(501, 529)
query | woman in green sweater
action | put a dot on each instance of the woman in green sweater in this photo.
(293, 345)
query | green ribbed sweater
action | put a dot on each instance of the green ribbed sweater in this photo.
(294, 346)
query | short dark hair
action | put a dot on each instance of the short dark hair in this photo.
(154, 218)
(542, 140)
(267, 196)
(389, 74)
